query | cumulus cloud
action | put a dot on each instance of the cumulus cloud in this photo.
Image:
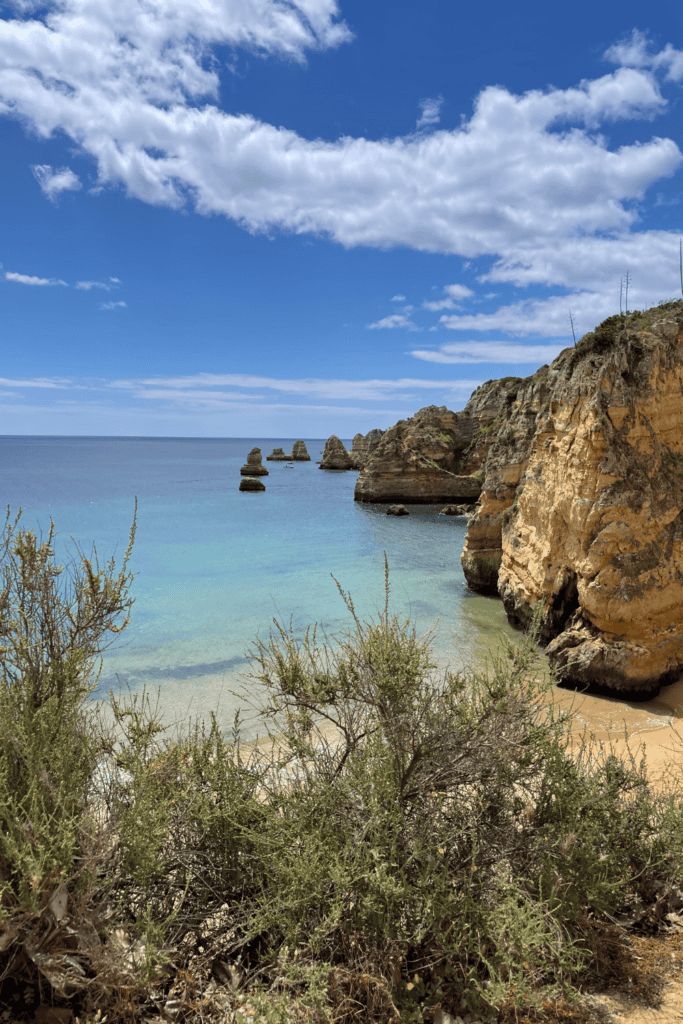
(112, 305)
(633, 52)
(431, 112)
(29, 279)
(53, 182)
(489, 352)
(395, 320)
(397, 298)
(453, 292)
(87, 285)
(528, 178)
(123, 80)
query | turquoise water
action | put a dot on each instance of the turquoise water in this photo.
(214, 565)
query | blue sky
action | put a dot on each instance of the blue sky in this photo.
(296, 218)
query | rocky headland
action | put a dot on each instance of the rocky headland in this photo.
(579, 474)
(432, 457)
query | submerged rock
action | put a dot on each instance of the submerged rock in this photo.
(254, 466)
(363, 447)
(251, 483)
(397, 510)
(299, 452)
(457, 510)
(278, 455)
(582, 506)
(335, 455)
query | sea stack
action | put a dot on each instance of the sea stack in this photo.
(278, 455)
(335, 455)
(251, 483)
(254, 466)
(299, 453)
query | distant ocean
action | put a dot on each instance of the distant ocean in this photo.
(214, 565)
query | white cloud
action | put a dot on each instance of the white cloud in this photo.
(527, 178)
(53, 182)
(489, 352)
(395, 320)
(633, 52)
(397, 298)
(111, 305)
(87, 285)
(38, 382)
(431, 112)
(114, 280)
(453, 292)
(121, 78)
(29, 279)
(197, 385)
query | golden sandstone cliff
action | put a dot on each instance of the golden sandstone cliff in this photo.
(581, 506)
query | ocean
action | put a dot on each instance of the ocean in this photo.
(214, 565)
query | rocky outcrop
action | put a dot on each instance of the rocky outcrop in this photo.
(457, 510)
(251, 483)
(582, 505)
(278, 455)
(397, 510)
(299, 452)
(335, 455)
(431, 457)
(254, 466)
(363, 447)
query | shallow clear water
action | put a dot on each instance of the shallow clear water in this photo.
(214, 565)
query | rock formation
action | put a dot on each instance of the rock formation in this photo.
(299, 453)
(254, 466)
(251, 483)
(278, 455)
(397, 510)
(430, 457)
(335, 455)
(457, 510)
(582, 505)
(363, 447)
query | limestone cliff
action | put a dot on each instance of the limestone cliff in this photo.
(363, 447)
(434, 456)
(582, 505)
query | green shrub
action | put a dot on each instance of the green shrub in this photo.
(53, 628)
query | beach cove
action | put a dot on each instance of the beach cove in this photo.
(215, 566)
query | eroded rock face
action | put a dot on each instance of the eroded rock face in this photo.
(278, 455)
(503, 441)
(363, 447)
(423, 459)
(300, 453)
(585, 514)
(335, 455)
(254, 466)
(397, 510)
